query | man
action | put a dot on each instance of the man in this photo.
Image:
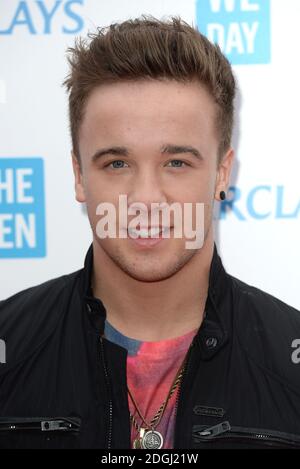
(152, 344)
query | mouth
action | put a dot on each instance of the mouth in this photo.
(145, 239)
(153, 232)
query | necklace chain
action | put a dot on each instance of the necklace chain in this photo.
(158, 416)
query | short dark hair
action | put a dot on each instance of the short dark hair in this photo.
(149, 48)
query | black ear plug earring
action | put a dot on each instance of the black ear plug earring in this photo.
(222, 195)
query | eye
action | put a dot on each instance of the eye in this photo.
(117, 164)
(178, 163)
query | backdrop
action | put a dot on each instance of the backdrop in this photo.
(45, 233)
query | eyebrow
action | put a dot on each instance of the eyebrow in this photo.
(177, 149)
(166, 149)
(116, 151)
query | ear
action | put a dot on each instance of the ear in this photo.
(79, 188)
(223, 173)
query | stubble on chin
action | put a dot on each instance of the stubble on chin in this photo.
(149, 267)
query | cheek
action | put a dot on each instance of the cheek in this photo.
(200, 185)
(98, 190)
(200, 191)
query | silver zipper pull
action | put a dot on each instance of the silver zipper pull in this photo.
(216, 429)
(50, 425)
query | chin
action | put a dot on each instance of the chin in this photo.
(154, 270)
(148, 275)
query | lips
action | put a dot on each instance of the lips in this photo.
(145, 232)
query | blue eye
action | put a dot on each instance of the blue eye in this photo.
(117, 164)
(178, 163)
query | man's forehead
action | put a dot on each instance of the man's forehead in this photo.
(154, 92)
(135, 104)
(142, 115)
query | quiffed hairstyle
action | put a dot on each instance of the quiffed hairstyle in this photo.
(146, 48)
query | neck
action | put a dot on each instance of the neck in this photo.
(152, 311)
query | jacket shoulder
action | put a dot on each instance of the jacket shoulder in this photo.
(28, 317)
(268, 330)
(263, 302)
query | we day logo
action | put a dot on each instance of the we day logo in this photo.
(22, 210)
(240, 27)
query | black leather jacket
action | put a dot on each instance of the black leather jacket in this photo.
(64, 386)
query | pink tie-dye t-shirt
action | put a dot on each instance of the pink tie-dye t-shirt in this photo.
(151, 369)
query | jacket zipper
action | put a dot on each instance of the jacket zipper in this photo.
(225, 431)
(180, 383)
(43, 424)
(110, 412)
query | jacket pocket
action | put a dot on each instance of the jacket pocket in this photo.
(39, 432)
(224, 435)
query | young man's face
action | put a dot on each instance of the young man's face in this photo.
(145, 123)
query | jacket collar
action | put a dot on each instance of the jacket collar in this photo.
(213, 333)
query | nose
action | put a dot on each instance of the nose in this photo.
(145, 190)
